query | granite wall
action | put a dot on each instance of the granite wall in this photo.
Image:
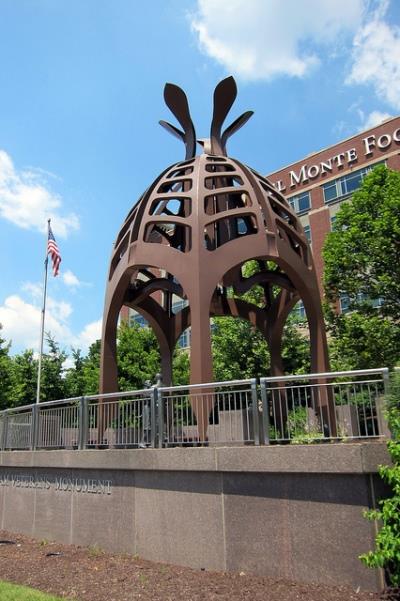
(283, 511)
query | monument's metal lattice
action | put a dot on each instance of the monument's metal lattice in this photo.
(190, 236)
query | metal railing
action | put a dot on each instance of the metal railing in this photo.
(293, 409)
(218, 413)
(334, 405)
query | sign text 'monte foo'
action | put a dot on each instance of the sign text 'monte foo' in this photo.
(310, 172)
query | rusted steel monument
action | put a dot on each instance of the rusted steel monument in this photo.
(190, 235)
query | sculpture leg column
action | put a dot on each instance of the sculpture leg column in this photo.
(108, 372)
(166, 367)
(323, 398)
(202, 401)
(166, 379)
(277, 318)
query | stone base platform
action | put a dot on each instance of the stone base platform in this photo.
(290, 512)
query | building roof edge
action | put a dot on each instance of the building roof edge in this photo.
(270, 173)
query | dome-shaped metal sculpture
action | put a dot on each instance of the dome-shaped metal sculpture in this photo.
(190, 235)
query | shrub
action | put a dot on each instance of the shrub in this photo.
(386, 554)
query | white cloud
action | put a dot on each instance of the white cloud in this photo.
(70, 279)
(61, 310)
(376, 57)
(256, 39)
(90, 333)
(35, 290)
(27, 201)
(21, 323)
(374, 118)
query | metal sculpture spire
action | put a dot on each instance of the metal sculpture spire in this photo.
(224, 96)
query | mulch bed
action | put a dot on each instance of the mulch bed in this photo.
(89, 574)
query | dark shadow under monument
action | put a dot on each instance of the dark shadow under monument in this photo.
(190, 235)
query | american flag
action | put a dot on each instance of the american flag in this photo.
(52, 250)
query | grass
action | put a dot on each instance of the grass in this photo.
(14, 592)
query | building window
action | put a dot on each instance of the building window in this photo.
(299, 311)
(300, 203)
(346, 185)
(333, 219)
(376, 303)
(344, 303)
(307, 232)
(184, 339)
(179, 305)
(139, 320)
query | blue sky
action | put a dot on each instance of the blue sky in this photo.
(81, 93)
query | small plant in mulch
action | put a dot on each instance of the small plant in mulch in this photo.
(386, 554)
(95, 551)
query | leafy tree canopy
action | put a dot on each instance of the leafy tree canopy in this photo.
(239, 350)
(138, 356)
(53, 384)
(362, 254)
(362, 261)
(91, 369)
(363, 341)
(24, 367)
(5, 372)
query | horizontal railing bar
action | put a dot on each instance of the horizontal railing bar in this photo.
(76, 399)
(329, 375)
(207, 385)
(42, 404)
(326, 384)
(59, 402)
(109, 395)
(322, 437)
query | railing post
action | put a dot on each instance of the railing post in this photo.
(265, 410)
(35, 427)
(153, 416)
(160, 418)
(386, 381)
(4, 432)
(382, 406)
(83, 423)
(254, 404)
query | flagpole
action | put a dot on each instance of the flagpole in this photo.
(46, 262)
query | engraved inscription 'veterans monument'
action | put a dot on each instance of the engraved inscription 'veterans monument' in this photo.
(190, 235)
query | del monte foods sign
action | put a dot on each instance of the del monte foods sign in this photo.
(309, 172)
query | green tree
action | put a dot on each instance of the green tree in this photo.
(75, 377)
(239, 350)
(6, 380)
(295, 347)
(24, 368)
(91, 369)
(138, 356)
(361, 341)
(362, 253)
(362, 262)
(52, 381)
(180, 367)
